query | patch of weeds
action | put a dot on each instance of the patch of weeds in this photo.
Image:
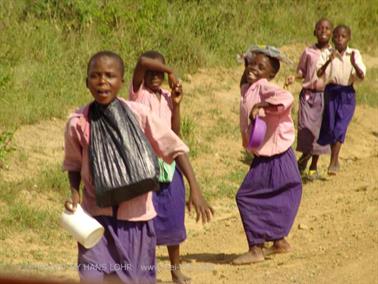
(22, 217)
(188, 129)
(5, 146)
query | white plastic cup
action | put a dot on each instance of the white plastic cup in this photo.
(84, 228)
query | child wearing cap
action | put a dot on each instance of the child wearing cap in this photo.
(269, 197)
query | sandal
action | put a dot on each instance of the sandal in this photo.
(313, 175)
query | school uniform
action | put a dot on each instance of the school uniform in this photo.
(339, 94)
(127, 248)
(311, 103)
(169, 201)
(270, 194)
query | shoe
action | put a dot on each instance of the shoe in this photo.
(313, 175)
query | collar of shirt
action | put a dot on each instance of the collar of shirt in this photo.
(348, 52)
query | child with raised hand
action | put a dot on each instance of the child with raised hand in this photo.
(269, 197)
(340, 69)
(311, 101)
(146, 88)
(126, 252)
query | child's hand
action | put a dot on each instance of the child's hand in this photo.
(177, 93)
(289, 80)
(203, 209)
(71, 205)
(254, 111)
(172, 80)
(332, 55)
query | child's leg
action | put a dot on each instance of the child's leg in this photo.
(255, 254)
(334, 163)
(314, 163)
(174, 258)
(302, 162)
(279, 246)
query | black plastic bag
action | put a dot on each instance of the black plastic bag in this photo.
(122, 162)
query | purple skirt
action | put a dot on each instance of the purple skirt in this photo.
(169, 204)
(310, 116)
(269, 197)
(339, 107)
(125, 253)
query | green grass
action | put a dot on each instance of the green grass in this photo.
(5, 146)
(366, 91)
(45, 44)
(34, 203)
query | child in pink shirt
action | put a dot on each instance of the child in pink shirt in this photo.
(269, 197)
(311, 101)
(128, 245)
(170, 200)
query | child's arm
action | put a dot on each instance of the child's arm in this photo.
(323, 68)
(144, 64)
(74, 180)
(176, 95)
(292, 78)
(203, 210)
(301, 70)
(359, 72)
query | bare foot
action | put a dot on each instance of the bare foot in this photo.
(179, 277)
(279, 246)
(333, 170)
(255, 254)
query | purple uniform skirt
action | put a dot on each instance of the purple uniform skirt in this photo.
(339, 108)
(269, 197)
(126, 253)
(310, 116)
(169, 204)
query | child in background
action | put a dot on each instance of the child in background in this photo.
(269, 197)
(170, 200)
(127, 249)
(311, 101)
(339, 68)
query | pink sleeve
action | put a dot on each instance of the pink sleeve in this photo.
(72, 146)
(301, 69)
(165, 143)
(279, 98)
(137, 96)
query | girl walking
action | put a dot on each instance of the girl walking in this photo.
(311, 101)
(269, 197)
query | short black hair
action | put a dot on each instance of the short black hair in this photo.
(323, 20)
(345, 27)
(153, 54)
(107, 53)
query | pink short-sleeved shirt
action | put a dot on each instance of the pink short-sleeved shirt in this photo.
(165, 143)
(161, 107)
(307, 69)
(280, 131)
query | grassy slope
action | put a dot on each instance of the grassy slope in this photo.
(43, 53)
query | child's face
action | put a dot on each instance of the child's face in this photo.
(323, 31)
(154, 79)
(104, 79)
(259, 67)
(340, 39)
